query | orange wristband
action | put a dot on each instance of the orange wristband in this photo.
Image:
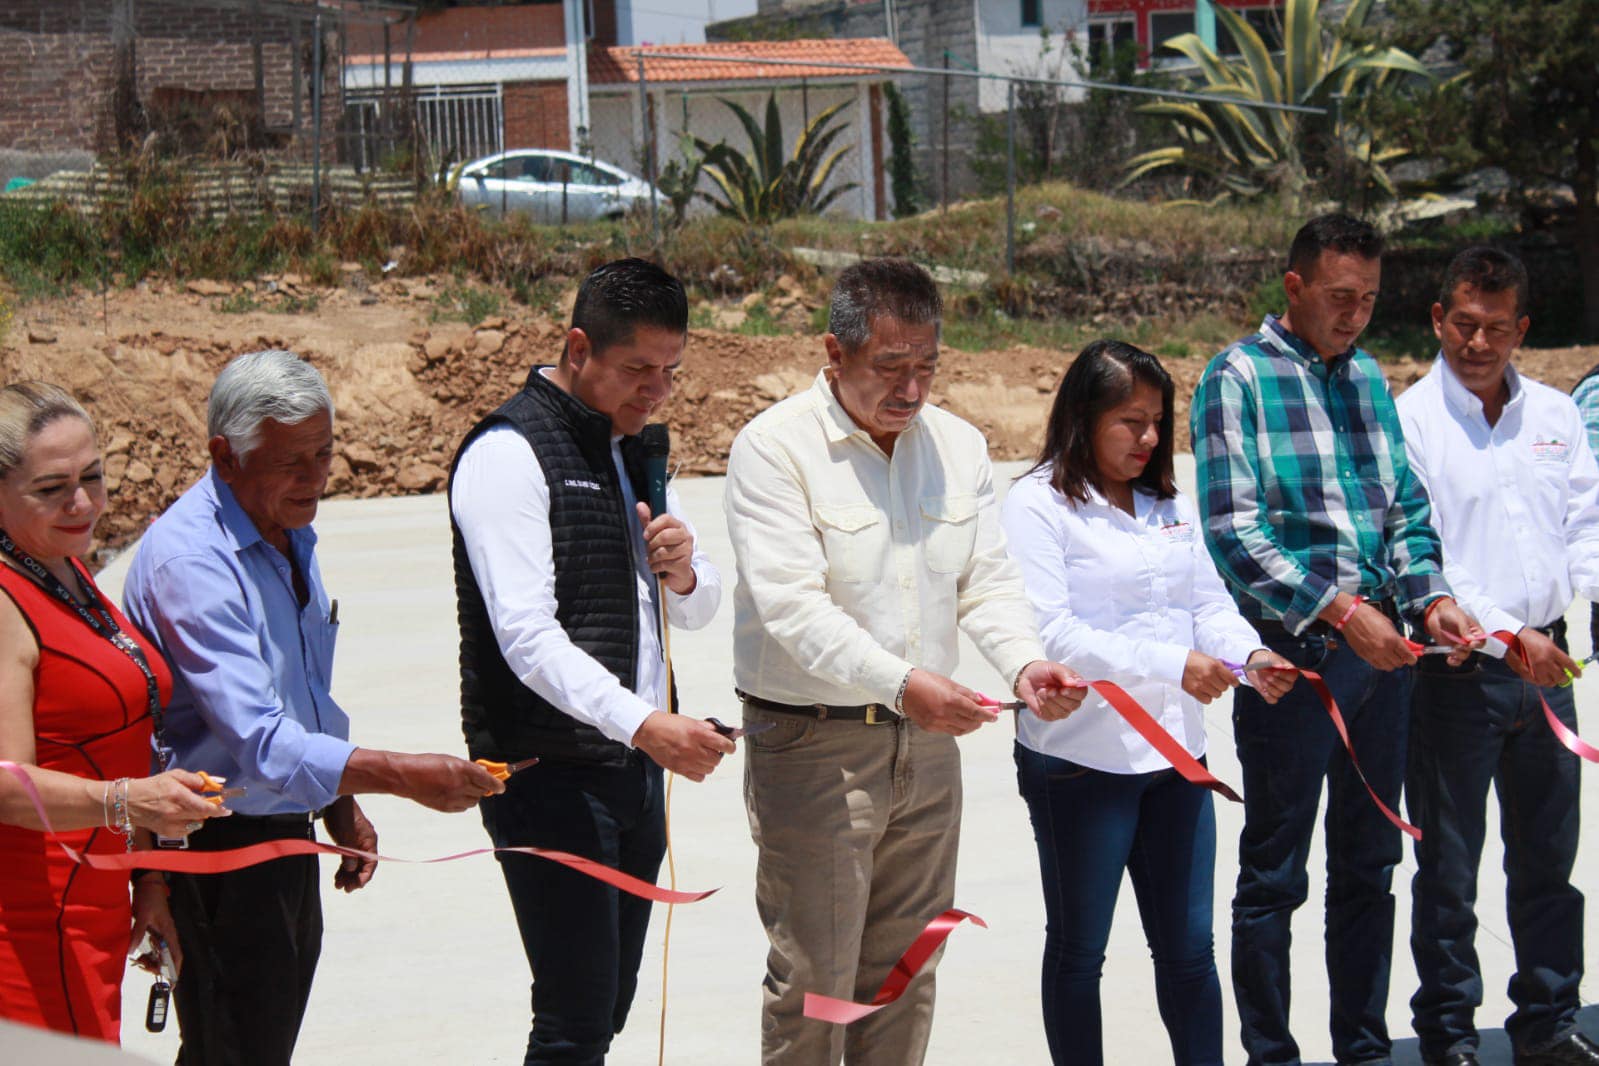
(1354, 605)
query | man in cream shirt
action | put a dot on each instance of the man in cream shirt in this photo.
(1515, 496)
(865, 529)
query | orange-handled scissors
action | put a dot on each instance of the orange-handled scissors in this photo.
(502, 770)
(217, 787)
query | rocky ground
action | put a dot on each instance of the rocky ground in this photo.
(407, 388)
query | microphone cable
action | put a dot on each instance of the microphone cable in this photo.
(671, 865)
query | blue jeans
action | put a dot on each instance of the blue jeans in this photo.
(1473, 728)
(1287, 750)
(583, 938)
(1090, 826)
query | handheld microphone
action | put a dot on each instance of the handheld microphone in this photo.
(657, 445)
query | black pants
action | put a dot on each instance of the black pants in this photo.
(250, 943)
(583, 938)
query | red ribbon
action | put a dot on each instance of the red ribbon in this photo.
(842, 1011)
(1337, 717)
(1191, 769)
(218, 862)
(1571, 741)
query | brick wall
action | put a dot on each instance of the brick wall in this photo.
(57, 58)
(470, 29)
(535, 114)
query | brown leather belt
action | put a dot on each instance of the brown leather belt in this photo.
(870, 713)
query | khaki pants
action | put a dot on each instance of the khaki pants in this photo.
(857, 828)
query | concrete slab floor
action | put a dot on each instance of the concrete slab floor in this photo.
(424, 965)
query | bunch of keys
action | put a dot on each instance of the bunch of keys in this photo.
(157, 959)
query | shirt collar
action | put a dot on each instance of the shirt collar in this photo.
(1143, 501)
(1462, 399)
(240, 529)
(1285, 341)
(836, 422)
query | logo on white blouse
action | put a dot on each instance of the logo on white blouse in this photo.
(1553, 450)
(1178, 532)
(578, 483)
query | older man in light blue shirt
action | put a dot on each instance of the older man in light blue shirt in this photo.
(251, 666)
(227, 583)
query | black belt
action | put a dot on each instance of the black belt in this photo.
(870, 713)
(298, 818)
(1555, 630)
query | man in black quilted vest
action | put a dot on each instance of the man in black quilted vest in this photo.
(555, 564)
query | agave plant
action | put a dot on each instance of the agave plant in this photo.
(1251, 150)
(763, 186)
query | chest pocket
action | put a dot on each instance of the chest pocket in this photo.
(1550, 476)
(320, 636)
(854, 539)
(951, 526)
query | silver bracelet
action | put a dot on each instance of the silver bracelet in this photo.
(899, 697)
(119, 801)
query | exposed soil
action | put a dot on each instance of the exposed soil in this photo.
(406, 390)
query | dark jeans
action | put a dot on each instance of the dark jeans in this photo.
(1090, 826)
(250, 940)
(1470, 729)
(1287, 750)
(583, 938)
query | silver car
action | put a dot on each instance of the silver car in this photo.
(551, 186)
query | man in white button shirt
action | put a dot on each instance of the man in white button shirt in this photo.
(1515, 495)
(555, 564)
(864, 529)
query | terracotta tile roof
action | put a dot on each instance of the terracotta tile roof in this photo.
(618, 65)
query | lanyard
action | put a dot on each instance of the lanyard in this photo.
(98, 617)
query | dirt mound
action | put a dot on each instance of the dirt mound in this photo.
(407, 389)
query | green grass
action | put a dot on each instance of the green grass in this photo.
(465, 302)
(1170, 338)
(154, 232)
(1075, 250)
(238, 303)
(758, 322)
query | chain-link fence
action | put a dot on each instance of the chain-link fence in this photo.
(375, 87)
(979, 131)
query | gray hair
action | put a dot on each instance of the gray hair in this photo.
(257, 386)
(26, 407)
(897, 288)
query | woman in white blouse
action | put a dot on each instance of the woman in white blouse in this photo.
(1126, 592)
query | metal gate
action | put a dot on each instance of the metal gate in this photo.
(454, 121)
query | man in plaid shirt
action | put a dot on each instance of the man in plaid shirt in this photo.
(1316, 523)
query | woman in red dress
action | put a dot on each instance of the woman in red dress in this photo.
(80, 691)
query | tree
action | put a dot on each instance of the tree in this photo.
(901, 163)
(1248, 151)
(763, 186)
(1526, 99)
